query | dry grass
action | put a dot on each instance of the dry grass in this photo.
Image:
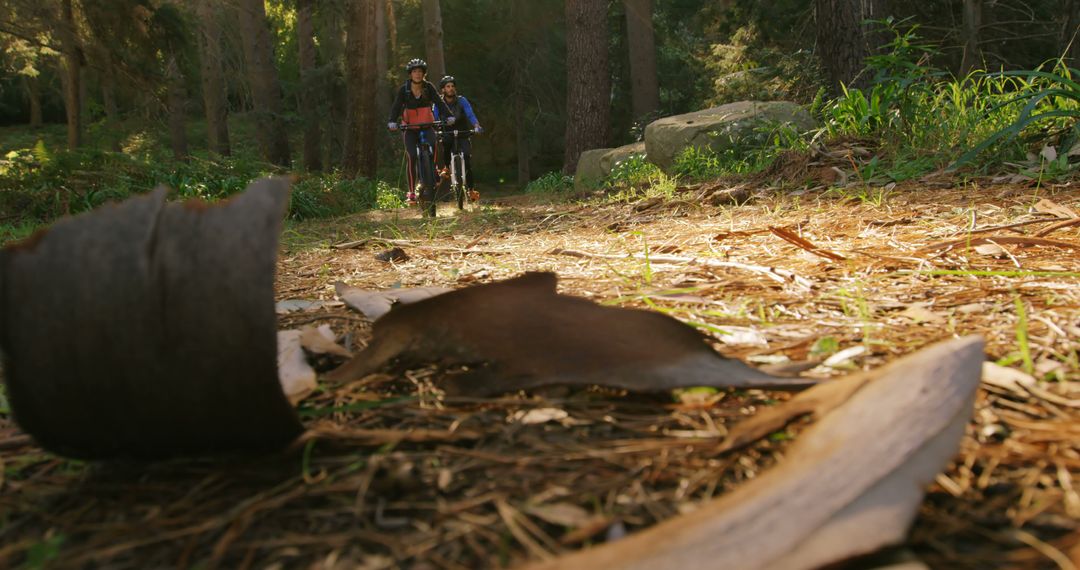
(434, 483)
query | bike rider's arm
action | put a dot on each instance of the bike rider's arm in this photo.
(468, 111)
(399, 104)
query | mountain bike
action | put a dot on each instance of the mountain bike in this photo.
(459, 182)
(423, 167)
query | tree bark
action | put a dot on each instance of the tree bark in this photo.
(72, 74)
(972, 58)
(360, 156)
(1070, 34)
(643, 78)
(382, 59)
(215, 101)
(108, 99)
(844, 40)
(588, 79)
(433, 38)
(263, 77)
(309, 90)
(521, 132)
(177, 103)
(33, 93)
(391, 29)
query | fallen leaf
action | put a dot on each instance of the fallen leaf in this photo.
(842, 357)
(322, 341)
(918, 313)
(156, 323)
(538, 416)
(850, 484)
(392, 254)
(374, 304)
(1048, 153)
(1006, 378)
(1048, 206)
(571, 341)
(297, 377)
(294, 305)
(991, 250)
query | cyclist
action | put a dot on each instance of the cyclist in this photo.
(413, 105)
(462, 113)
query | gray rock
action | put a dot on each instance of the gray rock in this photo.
(588, 171)
(718, 128)
(617, 155)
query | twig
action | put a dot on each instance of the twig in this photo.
(1020, 240)
(782, 276)
(790, 236)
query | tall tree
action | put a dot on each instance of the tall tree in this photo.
(382, 60)
(215, 102)
(643, 78)
(309, 88)
(845, 38)
(263, 79)
(69, 40)
(33, 92)
(1069, 45)
(360, 156)
(588, 79)
(433, 38)
(176, 101)
(973, 21)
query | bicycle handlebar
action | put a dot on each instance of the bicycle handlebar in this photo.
(418, 126)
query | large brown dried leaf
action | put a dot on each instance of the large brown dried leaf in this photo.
(147, 329)
(851, 484)
(519, 334)
(374, 304)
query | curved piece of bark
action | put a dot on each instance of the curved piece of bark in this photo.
(851, 484)
(520, 334)
(147, 329)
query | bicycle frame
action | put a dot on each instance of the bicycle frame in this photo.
(424, 159)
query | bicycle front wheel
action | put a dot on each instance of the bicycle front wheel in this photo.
(427, 181)
(459, 181)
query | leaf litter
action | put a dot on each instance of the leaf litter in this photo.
(434, 482)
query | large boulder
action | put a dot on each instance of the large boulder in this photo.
(617, 155)
(719, 128)
(589, 173)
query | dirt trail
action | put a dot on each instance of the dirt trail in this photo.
(489, 483)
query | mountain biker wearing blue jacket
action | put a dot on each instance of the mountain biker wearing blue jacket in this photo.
(414, 104)
(462, 112)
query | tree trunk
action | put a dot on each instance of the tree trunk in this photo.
(972, 58)
(843, 40)
(215, 100)
(177, 102)
(521, 132)
(108, 99)
(309, 90)
(33, 93)
(72, 74)
(588, 79)
(263, 77)
(391, 29)
(433, 38)
(1070, 35)
(382, 59)
(360, 157)
(643, 78)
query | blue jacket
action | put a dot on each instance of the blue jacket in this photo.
(461, 109)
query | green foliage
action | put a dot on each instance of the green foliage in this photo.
(748, 68)
(635, 169)
(554, 182)
(332, 195)
(924, 119)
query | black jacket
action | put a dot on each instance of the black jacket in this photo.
(406, 100)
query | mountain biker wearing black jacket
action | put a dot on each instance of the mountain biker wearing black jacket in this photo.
(414, 104)
(462, 111)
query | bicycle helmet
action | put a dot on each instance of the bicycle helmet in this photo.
(446, 79)
(415, 63)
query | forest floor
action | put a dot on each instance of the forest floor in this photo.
(490, 483)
